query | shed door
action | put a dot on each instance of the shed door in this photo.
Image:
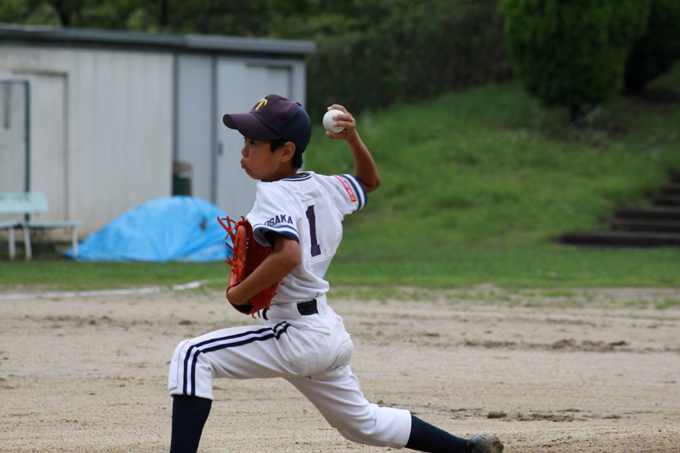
(48, 158)
(48, 142)
(13, 135)
(239, 86)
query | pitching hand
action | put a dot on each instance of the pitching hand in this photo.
(345, 120)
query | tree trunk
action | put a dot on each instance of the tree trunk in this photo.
(575, 115)
(578, 114)
(633, 86)
(62, 11)
(164, 19)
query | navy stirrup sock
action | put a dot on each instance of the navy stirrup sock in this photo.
(189, 414)
(430, 439)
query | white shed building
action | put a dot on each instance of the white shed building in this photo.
(111, 114)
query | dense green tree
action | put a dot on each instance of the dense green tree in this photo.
(18, 11)
(655, 52)
(370, 52)
(111, 14)
(294, 19)
(418, 50)
(572, 53)
(225, 17)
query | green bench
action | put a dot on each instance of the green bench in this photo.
(25, 205)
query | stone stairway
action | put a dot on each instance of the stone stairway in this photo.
(644, 226)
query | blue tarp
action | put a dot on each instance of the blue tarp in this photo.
(178, 228)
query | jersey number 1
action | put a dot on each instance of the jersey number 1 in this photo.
(311, 218)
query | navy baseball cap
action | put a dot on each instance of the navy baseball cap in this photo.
(272, 118)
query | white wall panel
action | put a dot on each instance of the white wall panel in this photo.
(235, 191)
(118, 127)
(104, 123)
(240, 84)
(195, 121)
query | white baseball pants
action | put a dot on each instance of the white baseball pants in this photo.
(311, 352)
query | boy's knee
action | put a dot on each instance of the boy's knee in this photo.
(174, 377)
(386, 427)
(189, 374)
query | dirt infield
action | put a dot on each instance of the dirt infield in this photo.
(547, 371)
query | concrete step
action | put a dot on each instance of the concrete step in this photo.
(645, 225)
(669, 213)
(672, 188)
(620, 239)
(638, 226)
(668, 200)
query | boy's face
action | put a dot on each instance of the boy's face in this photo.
(259, 161)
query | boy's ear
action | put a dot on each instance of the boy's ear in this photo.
(288, 152)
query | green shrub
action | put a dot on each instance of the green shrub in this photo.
(655, 52)
(572, 53)
(421, 49)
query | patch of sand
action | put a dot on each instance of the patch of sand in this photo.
(565, 371)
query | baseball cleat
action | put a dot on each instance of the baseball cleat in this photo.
(483, 444)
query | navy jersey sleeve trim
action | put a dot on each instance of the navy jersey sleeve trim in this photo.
(358, 189)
(262, 233)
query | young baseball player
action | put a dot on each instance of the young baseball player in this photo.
(299, 215)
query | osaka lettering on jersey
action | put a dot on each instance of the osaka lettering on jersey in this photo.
(283, 218)
(308, 209)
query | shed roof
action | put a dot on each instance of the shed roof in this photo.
(141, 41)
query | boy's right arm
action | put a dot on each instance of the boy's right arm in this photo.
(366, 170)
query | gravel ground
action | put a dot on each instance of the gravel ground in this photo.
(583, 370)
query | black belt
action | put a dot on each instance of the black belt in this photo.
(307, 308)
(304, 308)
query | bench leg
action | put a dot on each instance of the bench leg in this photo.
(27, 243)
(12, 247)
(74, 239)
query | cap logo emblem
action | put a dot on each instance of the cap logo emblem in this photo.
(261, 103)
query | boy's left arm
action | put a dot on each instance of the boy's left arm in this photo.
(284, 258)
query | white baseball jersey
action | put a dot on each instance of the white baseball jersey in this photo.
(309, 209)
(312, 351)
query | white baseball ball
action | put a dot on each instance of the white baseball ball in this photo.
(328, 121)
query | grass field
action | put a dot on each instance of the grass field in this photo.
(476, 186)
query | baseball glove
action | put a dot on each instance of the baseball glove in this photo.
(247, 255)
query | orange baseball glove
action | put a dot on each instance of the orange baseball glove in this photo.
(247, 255)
